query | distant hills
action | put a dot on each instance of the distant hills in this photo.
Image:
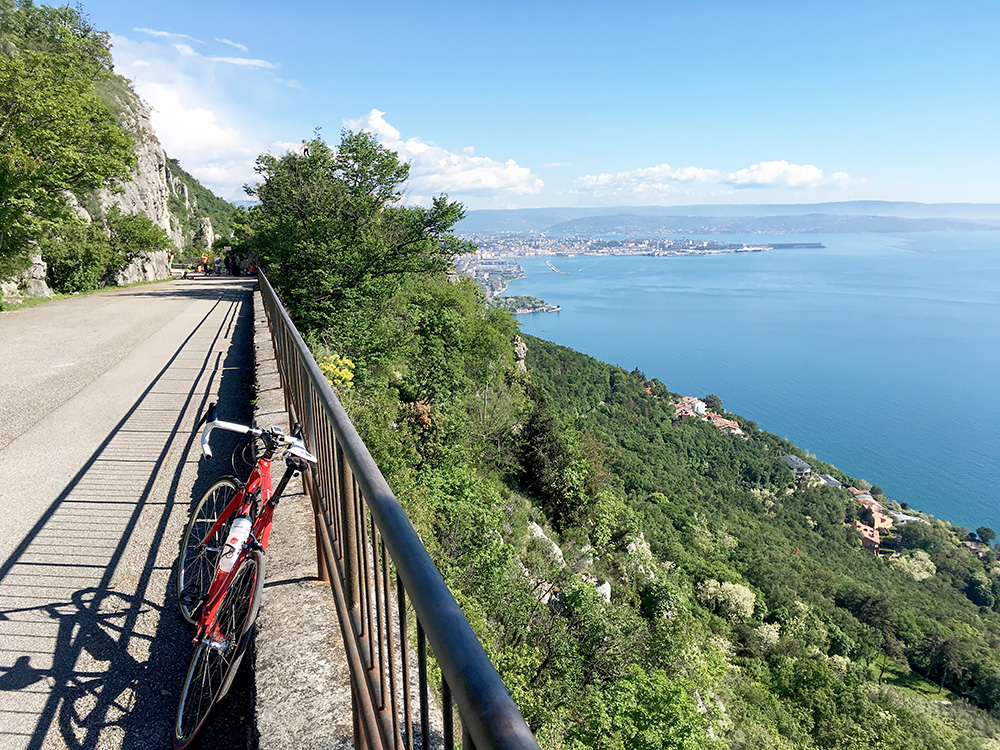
(845, 216)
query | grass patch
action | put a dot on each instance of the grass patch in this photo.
(914, 685)
(35, 301)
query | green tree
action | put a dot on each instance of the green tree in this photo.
(642, 711)
(56, 135)
(986, 534)
(714, 403)
(336, 239)
(81, 254)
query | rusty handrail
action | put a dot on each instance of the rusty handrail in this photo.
(364, 540)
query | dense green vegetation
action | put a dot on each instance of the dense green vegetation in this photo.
(59, 137)
(640, 582)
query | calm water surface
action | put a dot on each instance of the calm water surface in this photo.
(879, 354)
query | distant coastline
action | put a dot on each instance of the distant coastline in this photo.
(789, 334)
(497, 259)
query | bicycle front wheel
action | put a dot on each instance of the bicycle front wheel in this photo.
(196, 563)
(215, 662)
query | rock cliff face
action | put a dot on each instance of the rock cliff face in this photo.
(148, 193)
(154, 191)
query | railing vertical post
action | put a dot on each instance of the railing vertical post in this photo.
(352, 587)
(360, 738)
(322, 572)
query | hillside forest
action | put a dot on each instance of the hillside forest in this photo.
(639, 581)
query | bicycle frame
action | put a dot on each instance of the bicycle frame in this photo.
(260, 479)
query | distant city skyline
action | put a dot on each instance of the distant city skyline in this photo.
(526, 105)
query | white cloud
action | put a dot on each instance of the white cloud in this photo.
(188, 128)
(186, 50)
(245, 62)
(168, 34)
(284, 147)
(237, 45)
(776, 173)
(190, 115)
(436, 170)
(230, 175)
(551, 164)
(650, 183)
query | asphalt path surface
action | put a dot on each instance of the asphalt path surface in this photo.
(99, 466)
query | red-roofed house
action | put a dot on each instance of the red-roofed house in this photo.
(728, 426)
(869, 537)
(697, 405)
(882, 521)
(868, 502)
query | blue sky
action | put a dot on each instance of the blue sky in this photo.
(523, 104)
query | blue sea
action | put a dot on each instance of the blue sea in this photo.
(879, 354)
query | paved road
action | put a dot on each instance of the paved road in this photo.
(98, 468)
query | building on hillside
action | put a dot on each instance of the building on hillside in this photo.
(830, 480)
(729, 426)
(696, 404)
(796, 464)
(683, 411)
(869, 537)
(974, 547)
(881, 520)
(869, 502)
(858, 494)
(902, 519)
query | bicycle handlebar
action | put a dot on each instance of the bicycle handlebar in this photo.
(295, 444)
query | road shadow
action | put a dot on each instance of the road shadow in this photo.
(94, 651)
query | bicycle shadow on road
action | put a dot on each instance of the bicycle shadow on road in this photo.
(92, 649)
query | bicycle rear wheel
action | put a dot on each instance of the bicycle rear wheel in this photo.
(214, 665)
(196, 564)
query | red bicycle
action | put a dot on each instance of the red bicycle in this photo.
(220, 569)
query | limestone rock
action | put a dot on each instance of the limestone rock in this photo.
(28, 283)
(554, 552)
(148, 193)
(520, 352)
(204, 237)
(605, 590)
(146, 267)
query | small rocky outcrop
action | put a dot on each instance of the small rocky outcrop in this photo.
(520, 352)
(146, 267)
(29, 283)
(204, 236)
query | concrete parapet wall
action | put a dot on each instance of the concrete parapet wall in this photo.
(301, 673)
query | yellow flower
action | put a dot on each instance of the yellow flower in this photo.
(338, 370)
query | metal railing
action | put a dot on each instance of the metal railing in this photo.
(380, 573)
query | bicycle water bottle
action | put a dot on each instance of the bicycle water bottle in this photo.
(237, 537)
